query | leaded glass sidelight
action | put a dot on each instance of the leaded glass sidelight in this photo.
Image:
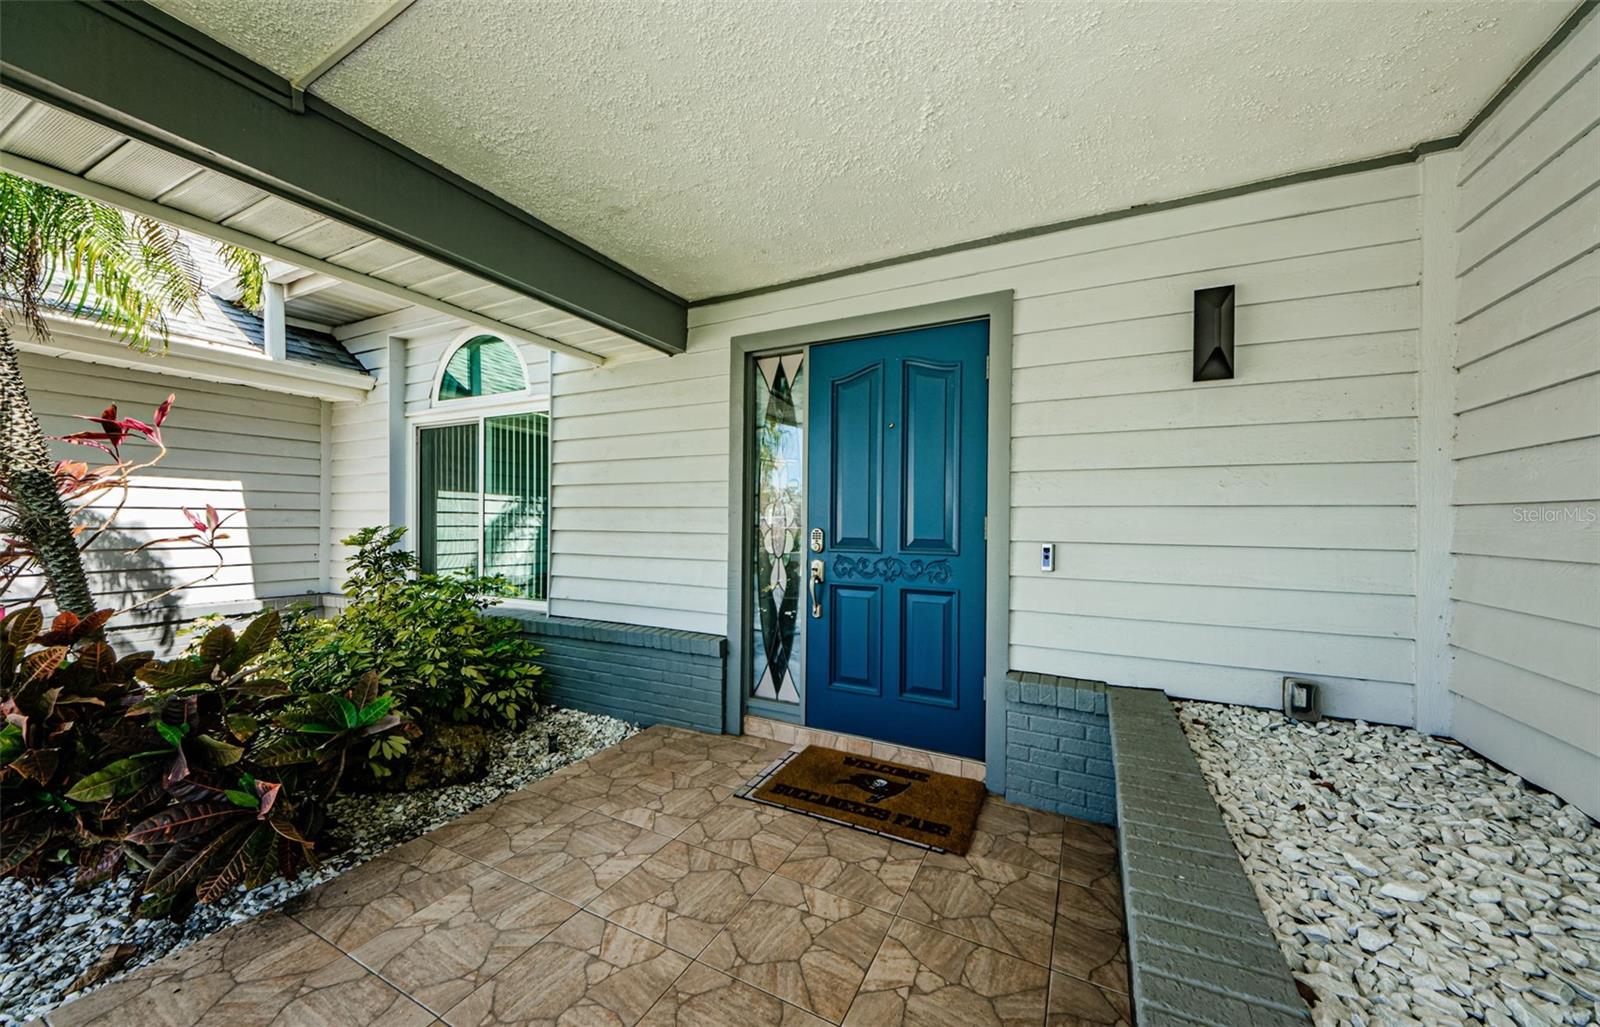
(778, 561)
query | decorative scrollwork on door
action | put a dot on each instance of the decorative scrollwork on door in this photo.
(891, 568)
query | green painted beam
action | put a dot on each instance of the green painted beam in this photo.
(130, 67)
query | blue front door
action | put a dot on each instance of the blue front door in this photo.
(898, 455)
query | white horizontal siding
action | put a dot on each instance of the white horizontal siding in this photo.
(360, 465)
(1526, 592)
(1211, 537)
(255, 456)
(640, 494)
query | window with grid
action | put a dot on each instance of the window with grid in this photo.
(483, 481)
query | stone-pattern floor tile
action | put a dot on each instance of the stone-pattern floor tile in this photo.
(666, 802)
(684, 752)
(587, 971)
(653, 754)
(360, 904)
(1028, 838)
(440, 954)
(581, 859)
(927, 978)
(268, 971)
(505, 827)
(1089, 855)
(735, 773)
(702, 997)
(787, 916)
(1093, 907)
(1075, 1003)
(803, 945)
(984, 900)
(574, 783)
(1099, 957)
(681, 896)
(854, 864)
(750, 832)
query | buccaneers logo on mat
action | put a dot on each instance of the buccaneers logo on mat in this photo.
(877, 787)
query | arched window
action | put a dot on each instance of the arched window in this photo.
(484, 365)
(483, 469)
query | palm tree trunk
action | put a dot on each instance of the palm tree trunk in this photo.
(29, 475)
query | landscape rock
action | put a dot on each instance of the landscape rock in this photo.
(449, 754)
(1405, 891)
(1407, 880)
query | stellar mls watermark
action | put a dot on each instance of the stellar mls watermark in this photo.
(1555, 514)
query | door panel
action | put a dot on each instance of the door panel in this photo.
(857, 459)
(932, 458)
(853, 635)
(930, 650)
(895, 649)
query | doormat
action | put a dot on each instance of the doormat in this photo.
(933, 810)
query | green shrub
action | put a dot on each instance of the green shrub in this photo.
(426, 636)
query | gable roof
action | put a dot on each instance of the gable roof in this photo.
(220, 321)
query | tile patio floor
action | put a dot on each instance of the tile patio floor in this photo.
(634, 888)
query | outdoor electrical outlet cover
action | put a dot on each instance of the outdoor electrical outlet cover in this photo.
(1302, 700)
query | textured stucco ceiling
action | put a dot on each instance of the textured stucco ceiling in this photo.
(722, 145)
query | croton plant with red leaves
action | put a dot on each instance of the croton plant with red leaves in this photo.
(199, 772)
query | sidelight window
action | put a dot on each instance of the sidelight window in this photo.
(777, 536)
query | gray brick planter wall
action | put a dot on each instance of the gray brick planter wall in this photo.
(1198, 944)
(1058, 746)
(640, 674)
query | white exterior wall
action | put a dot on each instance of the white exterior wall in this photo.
(1355, 489)
(253, 454)
(1526, 592)
(639, 489)
(360, 434)
(1212, 537)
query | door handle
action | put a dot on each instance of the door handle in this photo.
(816, 579)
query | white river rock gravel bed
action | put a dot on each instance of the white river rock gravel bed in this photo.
(52, 933)
(1408, 880)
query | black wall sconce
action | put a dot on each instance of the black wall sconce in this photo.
(1213, 334)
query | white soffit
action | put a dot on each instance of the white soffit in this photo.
(721, 145)
(71, 153)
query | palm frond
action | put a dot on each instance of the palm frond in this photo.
(249, 269)
(65, 251)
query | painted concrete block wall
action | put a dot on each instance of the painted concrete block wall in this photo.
(642, 675)
(1211, 538)
(1200, 949)
(1058, 746)
(1526, 590)
(256, 456)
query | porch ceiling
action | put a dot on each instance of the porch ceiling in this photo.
(371, 276)
(718, 146)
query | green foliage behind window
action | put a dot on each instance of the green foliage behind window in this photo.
(427, 637)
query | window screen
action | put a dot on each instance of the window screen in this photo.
(502, 527)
